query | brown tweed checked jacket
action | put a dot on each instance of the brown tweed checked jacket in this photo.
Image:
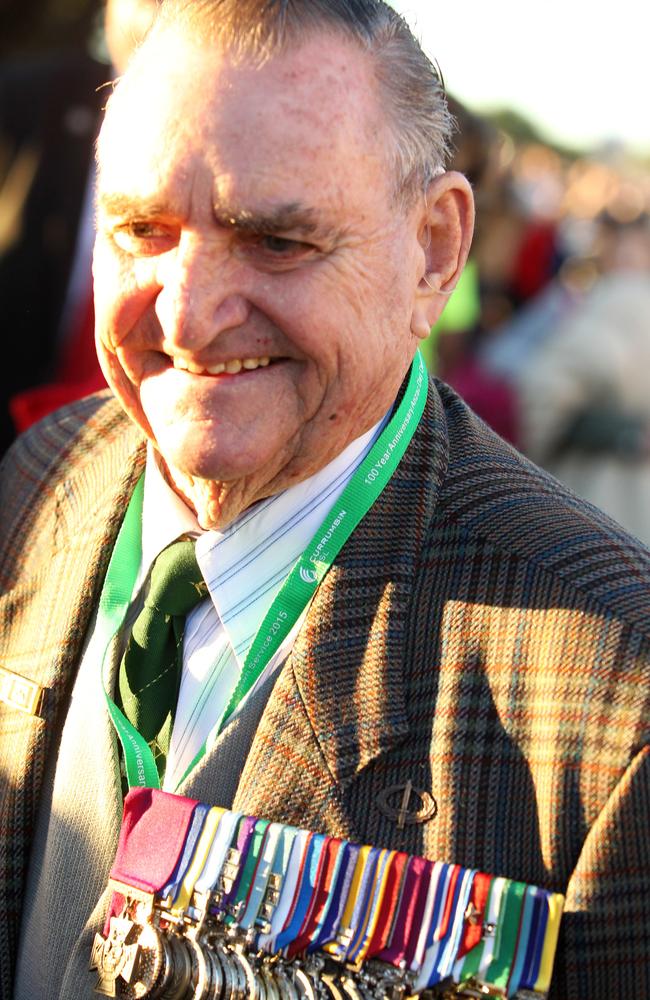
(483, 634)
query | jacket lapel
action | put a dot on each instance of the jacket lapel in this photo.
(339, 702)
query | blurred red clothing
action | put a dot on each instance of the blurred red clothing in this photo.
(78, 374)
(491, 397)
(537, 260)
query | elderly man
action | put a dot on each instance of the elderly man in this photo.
(460, 669)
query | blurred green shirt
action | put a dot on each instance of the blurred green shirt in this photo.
(461, 313)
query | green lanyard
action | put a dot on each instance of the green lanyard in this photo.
(295, 594)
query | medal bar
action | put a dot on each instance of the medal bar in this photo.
(210, 904)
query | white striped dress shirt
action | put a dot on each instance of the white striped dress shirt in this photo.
(244, 567)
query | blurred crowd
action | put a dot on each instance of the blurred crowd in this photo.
(547, 336)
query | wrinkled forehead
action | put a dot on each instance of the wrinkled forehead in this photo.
(182, 97)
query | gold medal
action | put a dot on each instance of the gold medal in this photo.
(115, 956)
(200, 970)
(149, 967)
(303, 983)
(272, 990)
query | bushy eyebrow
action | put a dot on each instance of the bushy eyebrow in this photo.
(122, 205)
(291, 217)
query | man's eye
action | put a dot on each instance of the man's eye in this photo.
(280, 246)
(142, 238)
(277, 253)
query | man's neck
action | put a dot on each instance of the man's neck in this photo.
(217, 504)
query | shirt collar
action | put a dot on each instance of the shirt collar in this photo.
(164, 516)
(261, 541)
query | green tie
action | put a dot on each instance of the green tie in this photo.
(150, 670)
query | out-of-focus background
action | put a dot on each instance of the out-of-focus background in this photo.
(547, 335)
(57, 61)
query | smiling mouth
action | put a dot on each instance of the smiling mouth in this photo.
(231, 367)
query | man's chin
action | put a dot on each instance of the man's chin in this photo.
(195, 461)
(183, 464)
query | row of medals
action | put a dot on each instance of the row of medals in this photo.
(150, 953)
(154, 959)
(202, 953)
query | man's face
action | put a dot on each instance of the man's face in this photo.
(254, 276)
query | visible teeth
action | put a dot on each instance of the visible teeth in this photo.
(232, 367)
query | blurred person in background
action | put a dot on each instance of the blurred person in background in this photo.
(50, 106)
(450, 350)
(584, 395)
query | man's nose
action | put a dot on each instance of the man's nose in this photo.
(200, 295)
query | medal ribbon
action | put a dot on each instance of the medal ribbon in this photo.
(450, 944)
(336, 947)
(478, 903)
(472, 960)
(364, 894)
(433, 893)
(444, 929)
(261, 875)
(204, 844)
(390, 904)
(367, 922)
(409, 915)
(192, 838)
(311, 892)
(554, 903)
(524, 931)
(536, 940)
(341, 887)
(443, 874)
(279, 868)
(305, 892)
(331, 858)
(250, 856)
(216, 858)
(245, 837)
(506, 938)
(367, 484)
(288, 891)
(152, 838)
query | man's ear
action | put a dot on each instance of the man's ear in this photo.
(445, 232)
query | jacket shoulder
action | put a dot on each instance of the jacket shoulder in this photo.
(494, 494)
(59, 473)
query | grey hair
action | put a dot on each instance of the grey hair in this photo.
(410, 84)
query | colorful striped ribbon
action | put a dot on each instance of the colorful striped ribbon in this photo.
(293, 893)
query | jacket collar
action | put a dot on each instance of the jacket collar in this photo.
(349, 660)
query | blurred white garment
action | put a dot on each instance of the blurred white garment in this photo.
(585, 400)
